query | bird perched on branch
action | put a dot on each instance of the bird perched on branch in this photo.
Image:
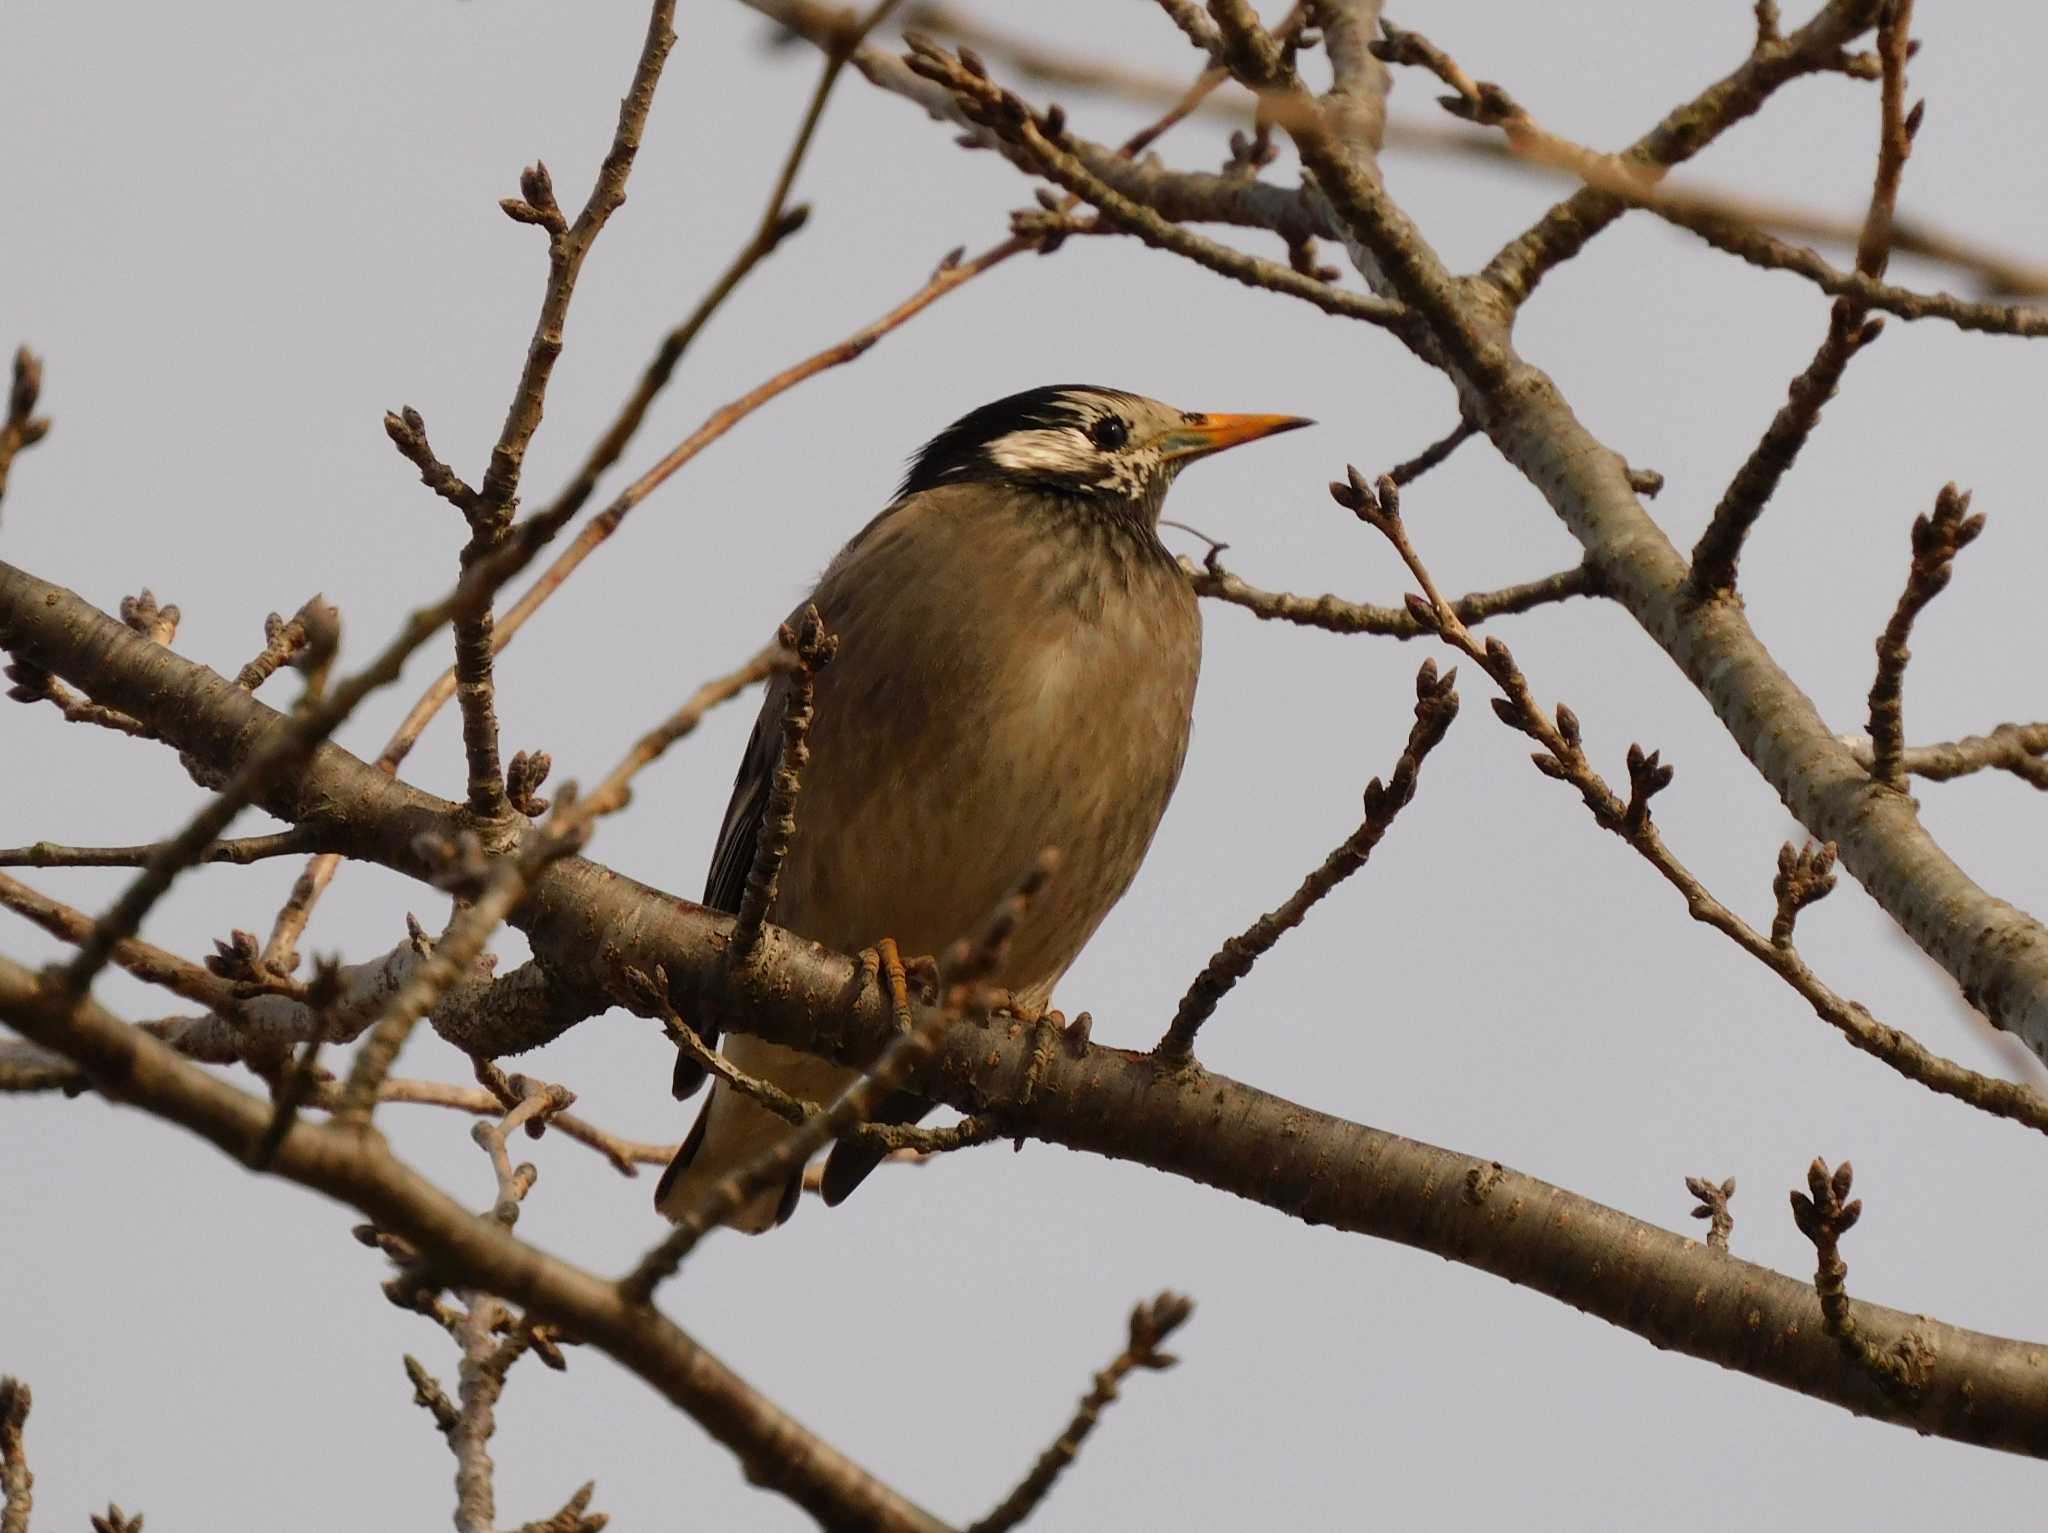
(1016, 668)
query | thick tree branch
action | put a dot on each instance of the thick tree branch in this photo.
(1198, 198)
(466, 1250)
(1040, 138)
(1800, 881)
(587, 925)
(1997, 953)
(951, 273)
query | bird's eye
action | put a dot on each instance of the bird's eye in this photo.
(1109, 433)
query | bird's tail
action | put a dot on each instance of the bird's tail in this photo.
(731, 1131)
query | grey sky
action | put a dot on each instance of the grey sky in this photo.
(239, 233)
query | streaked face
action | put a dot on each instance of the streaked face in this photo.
(1120, 445)
(1083, 440)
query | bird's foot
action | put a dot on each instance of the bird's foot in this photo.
(1007, 1003)
(892, 973)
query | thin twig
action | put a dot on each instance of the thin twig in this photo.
(1850, 329)
(538, 1102)
(967, 970)
(625, 1155)
(1152, 1322)
(291, 742)
(361, 1170)
(455, 952)
(1434, 454)
(2021, 749)
(1937, 539)
(650, 993)
(1564, 230)
(1767, 251)
(1563, 756)
(1436, 705)
(778, 222)
(813, 650)
(614, 791)
(407, 429)
(148, 963)
(428, 1394)
(489, 508)
(17, 1485)
(1999, 272)
(1824, 1217)
(469, 1421)
(506, 884)
(1714, 556)
(951, 273)
(575, 1515)
(32, 684)
(313, 628)
(24, 428)
(240, 851)
(1895, 135)
(1714, 1198)
(1334, 614)
(1041, 137)
(1805, 875)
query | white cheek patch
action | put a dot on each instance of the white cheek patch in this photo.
(1057, 450)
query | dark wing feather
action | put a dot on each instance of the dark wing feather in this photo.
(727, 881)
(849, 1164)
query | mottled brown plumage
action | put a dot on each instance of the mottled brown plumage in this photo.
(1016, 670)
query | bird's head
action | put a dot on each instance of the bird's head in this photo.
(1082, 441)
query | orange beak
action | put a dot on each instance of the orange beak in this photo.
(1200, 435)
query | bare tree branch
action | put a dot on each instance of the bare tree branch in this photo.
(1564, 758)
(1937, 539)
(1436, 705)
(23, 428)
(2000, 274)
(2016, 748)
(812, 649)
(1996, 952)
(1040, 137)
(1152, 1322)
(587, 925)
(240, 852)
(1333, 614)
(1824, 1217)
(470, 1251)
(17, 1485)
(1563, 232)
(489, 508)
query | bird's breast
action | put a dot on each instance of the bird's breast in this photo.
(988, 702)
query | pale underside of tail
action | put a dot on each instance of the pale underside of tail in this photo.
(732, 1131)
